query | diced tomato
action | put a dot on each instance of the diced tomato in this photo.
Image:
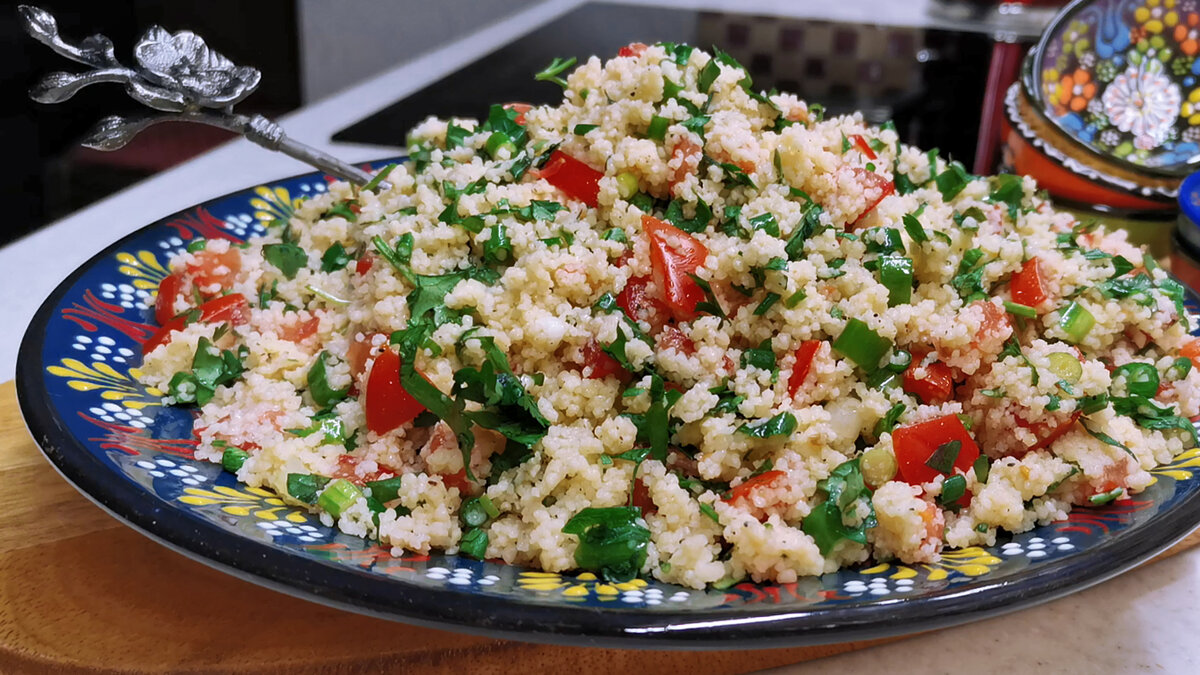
(993, 330)
(1048, 432)
(364, 264)
(743, 491)
(358, 353)
(299, 331)
(685, 157)
(347, 467)
(231, 308)
(869, 180)
(936, 387)
(673, 338)
(459, 480)
(674, 254)
(168, 292)
(632, 49)
(861, 144)
(521, 109)
(1026, 285)
(641, 497)
(601, 363)
(913, 445)
(573, 177)
(388, 404)
(1191, 350)
(637, 302)
(804, 358)
(210, 268)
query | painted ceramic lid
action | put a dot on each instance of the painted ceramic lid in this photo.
(1122, 79)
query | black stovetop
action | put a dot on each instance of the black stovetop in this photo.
(930, 82)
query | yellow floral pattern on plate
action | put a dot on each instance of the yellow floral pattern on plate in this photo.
(260, 503)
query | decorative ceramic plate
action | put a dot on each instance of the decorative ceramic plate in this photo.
(110, 437)
(1122, 79)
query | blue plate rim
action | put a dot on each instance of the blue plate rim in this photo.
(757, 627)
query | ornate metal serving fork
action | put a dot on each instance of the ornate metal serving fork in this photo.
(176, 74)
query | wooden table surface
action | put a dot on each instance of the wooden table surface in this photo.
(80, 592)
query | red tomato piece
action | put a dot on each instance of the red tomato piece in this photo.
(673, 338)
(521, 109)
(364, 264)
(637, 302)
(358, 353)
(804, 358)
(674, 254)
(232, 308)
(936, 387)
(916, 443)
(601, 363)
(641, 498)
(388, 404)
(347, 467)
(1191, 350)
(210, 268)
(299, 331)
(743, 491)
(573, 177)
(873, 181)
(459, 480)
(862, 145)
(1026, 285)
(632, 49)
(685, 157)
(1048, 432)
(168, 292)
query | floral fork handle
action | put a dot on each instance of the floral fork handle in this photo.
(177, 75)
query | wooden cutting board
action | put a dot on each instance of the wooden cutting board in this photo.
(82, 593)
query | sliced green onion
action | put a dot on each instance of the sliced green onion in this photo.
(472, 513)
(658, 128)
(1018, 309)
(338, 496)
(233, 459)
(1066, 366)
(1076, 322)
(981, 527)
(896, 274)
(953, 489)
(497, 141)
(583, 129)
(1141, 379)
(1102, 499)
(197, 245)
(878, 465)
(1180, 368)
(899, 361)
(709, 511)
(627, 185)
(862, 345)
(486, 503)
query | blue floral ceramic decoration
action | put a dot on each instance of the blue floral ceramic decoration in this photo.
(112, 438)
(1122, 78)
